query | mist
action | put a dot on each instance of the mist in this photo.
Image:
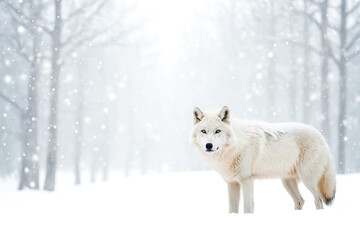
(103, 88)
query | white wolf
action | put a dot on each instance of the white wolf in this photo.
(241, 151)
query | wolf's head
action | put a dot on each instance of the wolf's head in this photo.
(212, 132)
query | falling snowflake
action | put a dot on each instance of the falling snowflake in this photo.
(122, 85)
(259, 76)
(7, 79)
(67, 101)
(111, 96)
(20, 29)
(35, 157)
(87, 120)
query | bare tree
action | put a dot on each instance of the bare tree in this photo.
(80, 19)
(55, 35)
(322, 24)
(266, 17)
(306, 68)
(325, 56)
(344, 54)
(271, 62)
(79, 129)
(228, 24)
(26, 15)
(292, 81)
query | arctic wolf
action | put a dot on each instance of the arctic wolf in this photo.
(241, 151)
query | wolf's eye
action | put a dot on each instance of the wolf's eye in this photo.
(217, 131)
(203, 131)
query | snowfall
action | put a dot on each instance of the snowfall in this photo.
(173, 206)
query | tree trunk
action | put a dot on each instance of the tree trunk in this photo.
(306, 80)
(29, 172)
(234, 40)
(54, 90)
(293, 76)
(23, 169)
(31, 121)
(342, 119)
(105, 150)
(78, 144)
(342, 90)
(325, 126)
(52, 141)
(105, 166)
(79, 133)
(271, 63)
(94, 159)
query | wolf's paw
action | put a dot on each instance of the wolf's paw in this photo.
(299, 204)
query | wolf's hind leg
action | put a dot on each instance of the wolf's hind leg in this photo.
(234, 197)
(310, 177)
(313, 189)
(291, 186)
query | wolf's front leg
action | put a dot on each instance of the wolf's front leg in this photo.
(234, 197)
(248, 191)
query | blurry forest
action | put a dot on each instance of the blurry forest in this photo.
(101, 87)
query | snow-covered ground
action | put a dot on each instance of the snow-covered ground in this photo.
(174, 206)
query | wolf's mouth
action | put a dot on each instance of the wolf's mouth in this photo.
(211, 150)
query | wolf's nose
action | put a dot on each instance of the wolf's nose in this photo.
(209, 146)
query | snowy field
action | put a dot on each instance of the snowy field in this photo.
(173, 206)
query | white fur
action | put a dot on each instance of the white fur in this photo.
(246, 150)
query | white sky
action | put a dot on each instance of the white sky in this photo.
(168, 19)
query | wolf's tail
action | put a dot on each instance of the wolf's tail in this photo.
(327, 184)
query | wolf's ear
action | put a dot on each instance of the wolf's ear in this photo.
(224, 114)
(198, 115)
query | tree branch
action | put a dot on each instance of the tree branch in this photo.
(79, 11)
(354, 25)
(78, 39)
(353, 41)
(332, 56)
(310, 16)
(90, 38)
(13, 103)
(332, 26)
(18, 46)
(315, 2)
(29, 23)
(355, 7)
(313, 20)
(115, 40)
(353, 55)
(310, 47)
(85, 24)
